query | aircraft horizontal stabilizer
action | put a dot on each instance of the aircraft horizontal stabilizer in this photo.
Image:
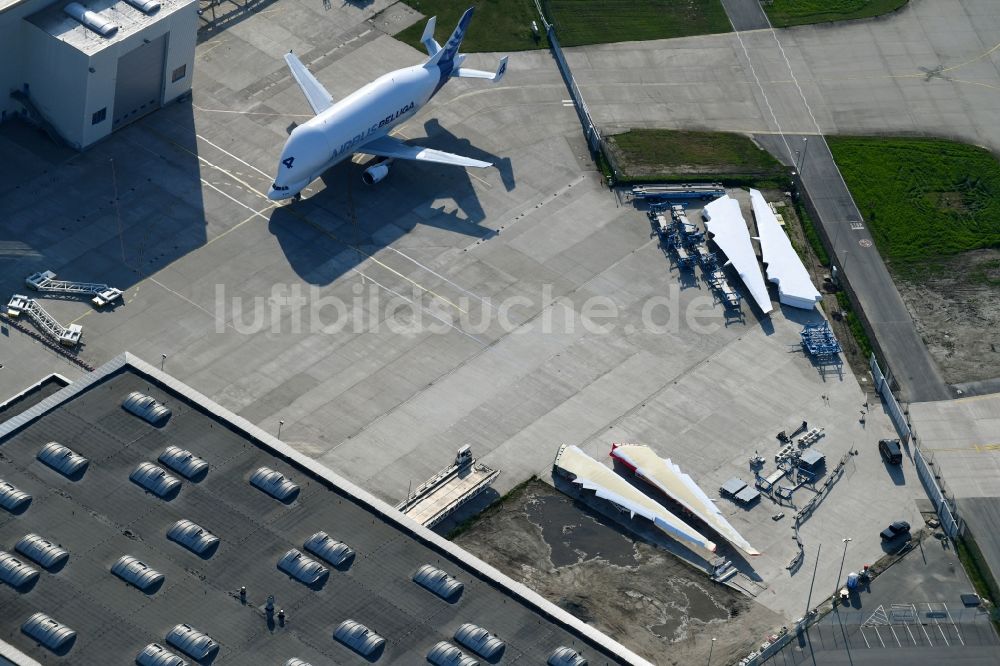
(389, 147)
(428, 37)
(479, 74)
(319, 99)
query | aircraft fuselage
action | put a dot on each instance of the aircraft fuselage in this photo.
(343, 129)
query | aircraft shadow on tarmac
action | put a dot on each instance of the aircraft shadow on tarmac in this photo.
(355, 220)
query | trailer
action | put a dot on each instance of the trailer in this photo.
(703, 191)
(68, 336)
(46, 282)
(442, 494)
(739, 491)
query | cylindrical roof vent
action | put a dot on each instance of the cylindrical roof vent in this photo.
(99, 24)
(147, 7)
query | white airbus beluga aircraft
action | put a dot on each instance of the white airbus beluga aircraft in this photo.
(360, 123)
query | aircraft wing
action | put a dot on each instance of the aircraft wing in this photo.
(319, 99)
(388, 147)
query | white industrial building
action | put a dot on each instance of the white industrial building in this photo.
(83, 69)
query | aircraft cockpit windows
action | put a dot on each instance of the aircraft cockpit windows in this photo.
(279, 188)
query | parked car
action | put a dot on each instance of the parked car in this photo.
(895, 529)
(891, 451)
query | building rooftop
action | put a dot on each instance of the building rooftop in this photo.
(127, 18)
(101, 516)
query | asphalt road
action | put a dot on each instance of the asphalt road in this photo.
(930, 580)
(746, 14)
(854, 249)
(855, 252)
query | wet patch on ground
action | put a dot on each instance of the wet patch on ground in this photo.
(643, 596)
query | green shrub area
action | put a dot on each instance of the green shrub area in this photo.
(854, 323)
(497, 25)
(648, 155)
(580, 22)
(505, 25)
(923, 199)
(785, 13)
(812, 234)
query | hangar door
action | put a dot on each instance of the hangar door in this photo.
(139, 86)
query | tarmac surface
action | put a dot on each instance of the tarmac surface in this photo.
(298, 317)
(896, 335)
(911, 614)
(962, 437)
(930, 68)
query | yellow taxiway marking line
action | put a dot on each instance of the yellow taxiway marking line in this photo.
(977, 448)
(252, 113)
(982, 55)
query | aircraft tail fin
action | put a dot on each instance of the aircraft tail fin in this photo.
(445, 58)
(428, 37)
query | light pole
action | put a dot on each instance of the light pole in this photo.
(163, 359)
(710, 650)
(813, 582)
(841, 573)
(805, 147)
(836, 604)
(280, 423)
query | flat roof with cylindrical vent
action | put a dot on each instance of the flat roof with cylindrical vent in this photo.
(196, 644)
(51, 633)
(156, 480)
(438, 582)
(335, 552)
(480, 641)
(564, 656)
(137, 573)
(445, 654)
(274, 484)
(194, 537)
(303, 568)
(12, 498)
(359, 638)
(146, 408)
(185, 463)
(46, 554)
(61, 459)
(147, 7)
(16, 573)
(102, 25)
(155, 654)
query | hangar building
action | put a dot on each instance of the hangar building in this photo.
(142, 523)
(82, 69)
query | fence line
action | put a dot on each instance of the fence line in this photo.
(890, 402)
(590, 131)
(950, 522)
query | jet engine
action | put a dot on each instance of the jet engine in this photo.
(376, 173)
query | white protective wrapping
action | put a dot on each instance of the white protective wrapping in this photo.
(784, 268)
(668, 478)
(725, 222)
(592, 475)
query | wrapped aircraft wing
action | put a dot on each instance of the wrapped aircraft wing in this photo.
(592, 475)
(729, 231)
(668, 478)
(784, 268)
